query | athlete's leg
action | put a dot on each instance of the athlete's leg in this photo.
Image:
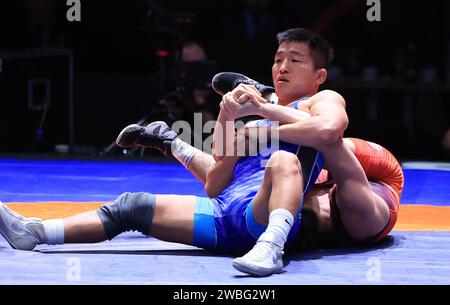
(166, 217)
(363, 213)
(276, 204)
(83, 228)
(281, 187)
(158, 135)
(172, 221)
(199, 165)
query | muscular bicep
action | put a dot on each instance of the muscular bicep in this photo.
(331, 107)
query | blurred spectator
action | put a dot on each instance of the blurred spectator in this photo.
(188, 89)
(199, 100)
(189, 92)
(175, 107)
(192, 51)
(245, 29)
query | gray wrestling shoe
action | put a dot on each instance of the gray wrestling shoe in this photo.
(20, 232)
(263, 260)
(156, 135)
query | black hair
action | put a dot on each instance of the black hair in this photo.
(321, 50)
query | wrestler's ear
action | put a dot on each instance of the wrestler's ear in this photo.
(322, 76)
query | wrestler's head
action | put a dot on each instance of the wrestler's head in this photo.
(300, 64)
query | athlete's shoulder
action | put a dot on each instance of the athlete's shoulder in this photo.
(329, 96)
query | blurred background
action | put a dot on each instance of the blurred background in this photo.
(70, 87)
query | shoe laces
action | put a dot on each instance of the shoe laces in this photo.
(162, 132)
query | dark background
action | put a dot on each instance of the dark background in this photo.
(394, 74)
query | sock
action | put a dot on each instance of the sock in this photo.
(183, 152)
(54, 231)
(280, 224)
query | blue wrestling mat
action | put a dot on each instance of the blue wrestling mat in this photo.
(405, 257)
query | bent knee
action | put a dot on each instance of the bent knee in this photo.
(283, 163)
(129, 211)
(283, 160)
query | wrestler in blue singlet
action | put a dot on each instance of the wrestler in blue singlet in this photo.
(226, 223)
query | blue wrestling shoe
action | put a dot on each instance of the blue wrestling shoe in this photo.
(263, 260)
(156, 135)
(20, 232)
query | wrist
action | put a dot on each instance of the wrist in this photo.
(227, 116)
(263, 109)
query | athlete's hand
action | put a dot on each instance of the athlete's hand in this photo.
(246, 93)
(233, 109)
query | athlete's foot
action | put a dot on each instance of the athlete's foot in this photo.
(20, 232)
(226, 81)
(156, 135)
(263, 260)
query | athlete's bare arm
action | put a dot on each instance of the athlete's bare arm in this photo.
(326, 125)
(276, 113)
(220, 173)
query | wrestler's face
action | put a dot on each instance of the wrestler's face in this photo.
(293, 72)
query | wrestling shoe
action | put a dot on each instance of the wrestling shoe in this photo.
(226, 81)
(20, 232)
(263, 260)
(156, 135)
